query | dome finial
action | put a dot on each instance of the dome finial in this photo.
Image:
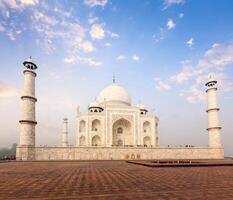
(211, 82)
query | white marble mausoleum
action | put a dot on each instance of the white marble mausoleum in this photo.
(112, 120)
(111, 129)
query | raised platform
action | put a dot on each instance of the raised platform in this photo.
(117, 153)
(184, 163)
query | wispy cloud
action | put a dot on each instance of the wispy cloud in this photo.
(135, 57)
(18, 4)
(159, 37)
(108, 44)
(97, 32)
(170, 24)
(121, 57)
(213, 61)
(168, 3)
(93, 20)
(114, 35)
(161, 86)
(53, 30)
(85, 60)
(54, 27)
(190, 42)
(87, 46)
(93, 3)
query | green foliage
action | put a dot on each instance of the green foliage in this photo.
(8, 151)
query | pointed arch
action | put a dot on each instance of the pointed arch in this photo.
(146, 127)
(82, 126)
(147, 141)
(122, 131)
(82, 141)
(96, 125)
(96, 140)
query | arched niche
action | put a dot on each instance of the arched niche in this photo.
(82, 126)
(122, 131)
(146, 127)
(96, 125)
(96, 140)
(82, 141)
(147, 141)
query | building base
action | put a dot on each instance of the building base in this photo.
(117, 153)
(26, 153)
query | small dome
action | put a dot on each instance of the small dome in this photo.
(29, 59)
(114, 93)
(140, 106)
(211, 82)
(93, 104)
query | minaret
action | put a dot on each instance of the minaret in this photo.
(65, 133)
(28, 101)
(212, 111)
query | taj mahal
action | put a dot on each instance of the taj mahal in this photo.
(112, 121)
(111, 129)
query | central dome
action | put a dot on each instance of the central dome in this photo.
(114, 94)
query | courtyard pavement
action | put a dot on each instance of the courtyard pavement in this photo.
(112, 180)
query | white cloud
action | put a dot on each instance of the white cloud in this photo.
(19, 4)
(135, 58)
(161, 86)
(69, 60)
(114, 35)
(29, 2)
(87, 46)
(160, 37)
(39, 16)
(108, 44)
(190, 42)
(186, 74)
(7, 90)
(97, 32)
(93, 3)
(62, 12)
(12, 35)
(170, 24)
(168, 3)
(92, 20)
(121, 57)
(156, 78)
(54, 30)
(9, 22)
(83, 60)
(181, 15)
(214, 61)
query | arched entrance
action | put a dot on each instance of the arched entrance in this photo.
(146, 127)
(96, 125)
(122, 133)
(82, 141)
(96, 141)
(147, 141)
(82, 126)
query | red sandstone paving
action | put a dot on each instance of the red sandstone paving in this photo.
(112, 180)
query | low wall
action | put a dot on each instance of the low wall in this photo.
(117, 153)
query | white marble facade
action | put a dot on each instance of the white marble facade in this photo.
(111, 129)
(112, 120)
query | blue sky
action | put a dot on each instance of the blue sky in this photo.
(161, 51)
